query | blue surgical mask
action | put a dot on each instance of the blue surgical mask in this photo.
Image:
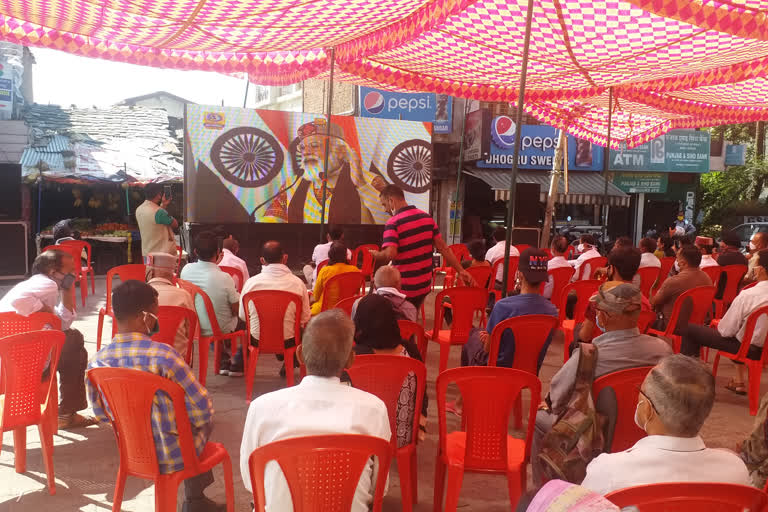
(597, 322)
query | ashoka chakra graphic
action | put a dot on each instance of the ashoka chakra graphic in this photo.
(246, 156)
(410, 166)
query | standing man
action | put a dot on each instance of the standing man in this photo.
(758, 242)
(408, 239)
(155, 224)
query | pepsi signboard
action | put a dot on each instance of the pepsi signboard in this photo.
(537, 148)
(428, 107)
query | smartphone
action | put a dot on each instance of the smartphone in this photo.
(167, 192)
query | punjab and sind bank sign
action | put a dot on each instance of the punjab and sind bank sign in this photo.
(676, 151)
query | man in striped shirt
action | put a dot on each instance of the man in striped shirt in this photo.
(408, 239)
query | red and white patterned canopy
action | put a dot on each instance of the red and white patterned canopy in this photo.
(670, 63)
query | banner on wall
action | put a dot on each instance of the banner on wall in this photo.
(676, 151)
(268, 166)
(430, 107)
(537, 148)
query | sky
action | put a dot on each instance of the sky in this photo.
(63, 79)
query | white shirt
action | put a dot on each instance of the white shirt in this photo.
(317, 406)
(496, 252)
(277, 277)
(648, 259)
(555, 262)
(576, 264)
(319, 255)
(230, 260)
(707, 261)
(33, 295)
(734, 322)
(658, 459)
(168, 294)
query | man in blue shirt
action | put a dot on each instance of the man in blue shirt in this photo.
(532, 271)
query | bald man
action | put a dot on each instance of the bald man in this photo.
(388, 284)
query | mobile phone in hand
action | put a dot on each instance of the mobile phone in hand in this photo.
(167, 192)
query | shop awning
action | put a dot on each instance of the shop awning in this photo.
(583, 188)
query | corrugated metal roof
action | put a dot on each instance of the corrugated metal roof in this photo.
(583, 188)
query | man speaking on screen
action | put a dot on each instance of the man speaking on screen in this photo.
(301, 198)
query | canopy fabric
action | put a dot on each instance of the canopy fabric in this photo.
(670, 63)
(583, 188)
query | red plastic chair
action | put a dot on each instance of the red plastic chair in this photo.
(481, 275)
(322, 471)
(713, 272)
(171, 318)
(548, 251)
(460, 251)
(136, 272)
(666, 265)
(88, 269)
(645, 321)
(341, 286)
(217, 338)
(271, 306)
(347, 304)
(733, 276)
(361, 257)
(521, 247)
(755, 367)
(648, 276)
(531, 333)
(698, 496)
(320, 266)
(237, 276)
(584, 290)
(625, 385)
(593, 264)
(483, 445)
(128, 394)
(466, 301)
(561, 276)
(700, 299)
(410, 329)
(383, 376)
(23, 358)
(513, 262)
(76, 253)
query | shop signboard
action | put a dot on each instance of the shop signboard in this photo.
(537, 148)
(735, 154)
(429, 107)
(6, 97)
(676, 151)
(641, 182)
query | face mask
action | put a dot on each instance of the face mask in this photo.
(599, 324)
(65, 281)
(637, 417)
(154, 330)
(752, 246)
(580, 248)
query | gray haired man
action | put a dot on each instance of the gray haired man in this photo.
(388, 284)
(621, 346)
(674, 402)
(319, 405)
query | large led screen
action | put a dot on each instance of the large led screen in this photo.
(268, 166)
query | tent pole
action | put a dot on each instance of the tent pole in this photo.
(516, 150)
(327, 145)
(247, 84)
(606, 163)
(456, 208)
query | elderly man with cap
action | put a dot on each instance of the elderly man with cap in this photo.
(621, 346)
(674, 402)
(160, 270)
(758, 242)
(706, 245)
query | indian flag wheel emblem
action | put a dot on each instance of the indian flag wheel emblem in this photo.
(247, 156)
(410, 166)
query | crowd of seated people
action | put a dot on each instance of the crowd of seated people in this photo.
(674, 401)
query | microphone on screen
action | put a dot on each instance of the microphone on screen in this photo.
(299, 174)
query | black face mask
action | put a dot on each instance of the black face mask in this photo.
(65, 281)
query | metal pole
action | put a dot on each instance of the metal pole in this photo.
(606, 163)
(327, 145)
(458, 171)
(247, 83)
(516, 150)
(554, 185)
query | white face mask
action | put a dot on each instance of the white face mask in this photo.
(752, 246)
(637, 419)
(580, 248)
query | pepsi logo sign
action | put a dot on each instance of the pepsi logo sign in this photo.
(374, 102)
(503, 132)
